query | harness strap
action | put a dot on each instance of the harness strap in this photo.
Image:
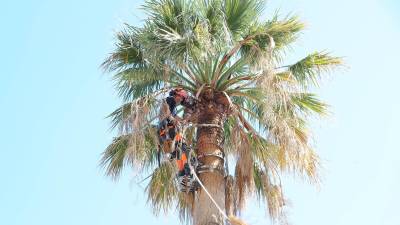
(204, 125)
(210, 169)
(207, 125)
(218, 154)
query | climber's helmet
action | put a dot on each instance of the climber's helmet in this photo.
(179, 95)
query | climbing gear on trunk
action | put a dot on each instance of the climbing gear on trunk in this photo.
(172, 145)
(166, 129)
(219, 154)
(208, 193)
(185, 158)
(210, 169)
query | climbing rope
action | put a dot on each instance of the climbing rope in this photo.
(183, 129)
(208, 193)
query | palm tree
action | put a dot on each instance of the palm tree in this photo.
(249, 105)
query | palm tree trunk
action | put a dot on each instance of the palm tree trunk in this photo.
(210, 140)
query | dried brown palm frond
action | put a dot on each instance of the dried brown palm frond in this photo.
(162, 191)
(230, 196)
(244, 170)
(269, 192)
(231, 133)
(294, 154)
(274, 198)
(135, 115)
(309, 165)
(302, 161)
(143, 147)
(283, 112)
(233, 220)
(164, 111)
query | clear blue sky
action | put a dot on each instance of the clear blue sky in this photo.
(53, 100)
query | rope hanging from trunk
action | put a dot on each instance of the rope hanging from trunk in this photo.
(193, 171)
(208, 194)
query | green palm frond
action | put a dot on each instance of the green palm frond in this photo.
(135, 83)
(309, 103)
(167, 43)
(271, 37)
(137, 151)
(169, 31)
(128, 52)
(168, 13)
(240, 14)
(115, 156)
(238, 70)
(120, 115)
(308, 70)
(162, 189)
(214, 18)
(284, 31)
(204, 68)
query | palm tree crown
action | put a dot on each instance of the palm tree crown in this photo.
(217, 48)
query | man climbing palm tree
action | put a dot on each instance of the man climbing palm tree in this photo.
(248, 104)
(171, 141)
(168, 114)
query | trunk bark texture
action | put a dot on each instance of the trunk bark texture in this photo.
(212, 110)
